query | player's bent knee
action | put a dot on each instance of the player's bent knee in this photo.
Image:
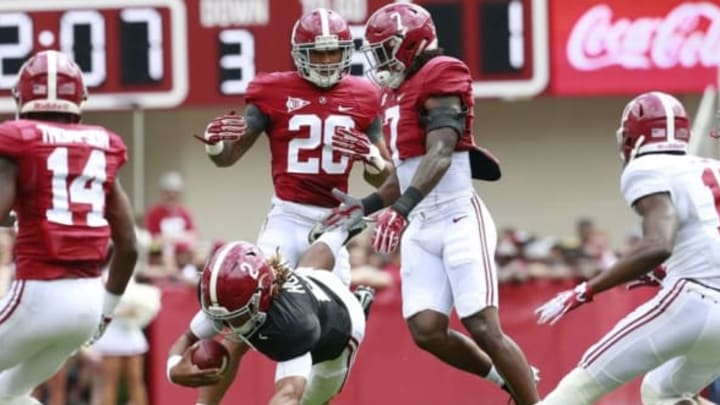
(577, 388)
(651, 396)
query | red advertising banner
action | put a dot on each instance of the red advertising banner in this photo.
(627, 47)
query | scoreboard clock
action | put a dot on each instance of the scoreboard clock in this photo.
(170, 53)
(131, 51)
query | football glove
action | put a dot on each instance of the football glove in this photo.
(99, 331)
(348, 215)
(652, 278)
(227, 127)
(388, 230)
(357, 146)
(564, 302)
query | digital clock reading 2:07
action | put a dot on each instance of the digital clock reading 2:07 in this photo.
(132, 52)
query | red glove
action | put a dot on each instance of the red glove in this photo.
(564, 302)
(653, 278)
(227, 127)
(357, 146)
(388, 229)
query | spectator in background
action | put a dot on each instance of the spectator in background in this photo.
(168, 221)
(364, 268)
(123, 346)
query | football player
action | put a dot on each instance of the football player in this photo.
(303, 113)
(305, 319)
(448, 247)
(674, 336)
(60, 177)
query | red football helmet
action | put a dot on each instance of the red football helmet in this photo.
(235, 287)
(50, 81)
(321, 30)
(395, 35)
(653, 122)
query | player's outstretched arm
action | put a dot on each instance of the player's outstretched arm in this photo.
(122, 264)
(122, 227)
(659, 227)
(8, 180)
(229, 136)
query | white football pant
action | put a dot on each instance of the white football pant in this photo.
(676, 334)
(41, 324)
(286, 229)
(448, 258)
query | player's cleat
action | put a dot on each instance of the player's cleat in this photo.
(366, 296)
(536, 380)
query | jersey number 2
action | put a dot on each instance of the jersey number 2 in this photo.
(87, 188)
(321, 133)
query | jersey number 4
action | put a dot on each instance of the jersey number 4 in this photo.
(86, 188)
(320, 135)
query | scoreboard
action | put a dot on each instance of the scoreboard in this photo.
(170, 53)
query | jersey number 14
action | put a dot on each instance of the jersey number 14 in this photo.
(86, 188)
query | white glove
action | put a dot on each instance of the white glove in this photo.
(564, 302)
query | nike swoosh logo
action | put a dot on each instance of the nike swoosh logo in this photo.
(343, 108)
(455, 220)
(262, 337)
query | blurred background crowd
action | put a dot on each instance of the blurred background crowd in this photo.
(173, 251)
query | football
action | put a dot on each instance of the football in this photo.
(210, 354)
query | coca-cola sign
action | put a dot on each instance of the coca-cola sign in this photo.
(621, 47)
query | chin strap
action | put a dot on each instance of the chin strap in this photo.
(637, 146)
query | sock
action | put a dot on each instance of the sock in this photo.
(495, 377)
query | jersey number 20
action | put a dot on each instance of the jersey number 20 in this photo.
(321, 132)
(86, 188)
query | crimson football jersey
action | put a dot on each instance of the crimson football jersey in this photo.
(65, 172)
(303, 119)
(402, 126)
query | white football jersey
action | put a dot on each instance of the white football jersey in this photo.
(455, 183)
(694, 185)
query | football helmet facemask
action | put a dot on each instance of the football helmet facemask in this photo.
(395, 35)
(653, 122)
(50, 81)
(235, 288)
(321, 30)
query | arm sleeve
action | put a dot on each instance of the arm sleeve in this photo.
(374, 130)
(298, 367)
(256, 120)
(637, 183)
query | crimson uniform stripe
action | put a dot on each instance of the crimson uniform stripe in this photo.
(490, 286)
(12, 303)
(353, 346)
(653, 313)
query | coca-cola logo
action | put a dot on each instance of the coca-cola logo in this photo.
(688, 36)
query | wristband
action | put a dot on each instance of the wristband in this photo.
(407, 201)
(215, 149)
(172, 361)
(372, 203)
(110, 302)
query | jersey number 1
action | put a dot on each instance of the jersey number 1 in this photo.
(87, 188)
